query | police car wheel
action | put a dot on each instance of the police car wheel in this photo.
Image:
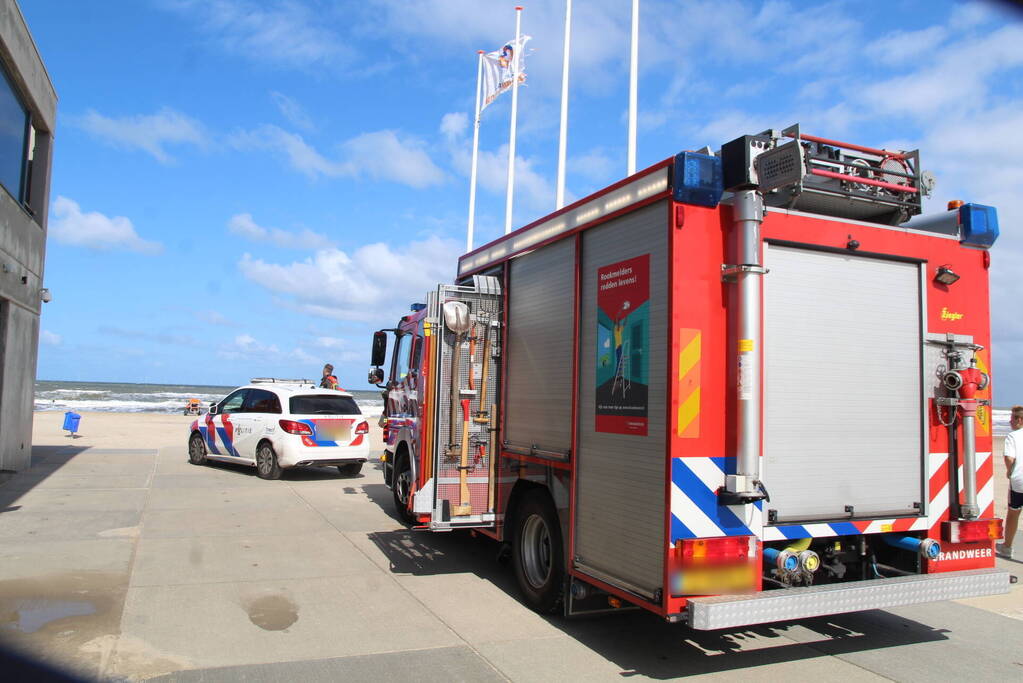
(266, 462)
(196, 450)
(350, 470)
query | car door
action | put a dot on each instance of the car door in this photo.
(260, 410)
(227, 420)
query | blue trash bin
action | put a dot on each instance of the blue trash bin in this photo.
(71, 421)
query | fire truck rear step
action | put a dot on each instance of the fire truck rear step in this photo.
(728, 611)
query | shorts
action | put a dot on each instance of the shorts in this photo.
(1015, 500)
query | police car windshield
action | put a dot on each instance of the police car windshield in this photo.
(323, 405)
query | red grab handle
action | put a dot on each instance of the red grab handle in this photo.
(465, 409)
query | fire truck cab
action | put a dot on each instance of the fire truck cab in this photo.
(740, 386)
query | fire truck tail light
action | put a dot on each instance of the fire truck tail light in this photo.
(717, 551)
(971, 531)
(363, 428)
(292, 427)
(978, 225)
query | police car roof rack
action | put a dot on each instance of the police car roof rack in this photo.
(278, 380)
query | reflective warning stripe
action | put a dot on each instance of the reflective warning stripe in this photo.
(689, 383)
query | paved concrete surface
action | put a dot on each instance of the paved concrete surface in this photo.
(132, 563)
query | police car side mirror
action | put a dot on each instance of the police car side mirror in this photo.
(213, 408)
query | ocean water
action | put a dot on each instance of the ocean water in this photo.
(148, 398)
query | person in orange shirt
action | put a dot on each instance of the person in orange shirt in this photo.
(329, 381)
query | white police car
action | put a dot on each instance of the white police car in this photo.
(276, 424)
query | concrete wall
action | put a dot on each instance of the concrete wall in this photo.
(23, 244)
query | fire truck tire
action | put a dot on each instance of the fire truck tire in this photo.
(537, 552)
(267, 466)
(350, 470)
(401, 486)
(196, 449)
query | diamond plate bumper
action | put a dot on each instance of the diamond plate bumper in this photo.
(727, 611)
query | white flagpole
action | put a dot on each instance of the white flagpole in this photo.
(563, 141)
(475, 153)
(633, 86)
(514, 112)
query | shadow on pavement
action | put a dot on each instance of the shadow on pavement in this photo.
(641, 643)
(46, 460)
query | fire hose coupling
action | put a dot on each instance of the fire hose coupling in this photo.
(926, 547)
(809, 561)
(966, 381)
(785, 561)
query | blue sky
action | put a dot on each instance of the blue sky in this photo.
(246, 188)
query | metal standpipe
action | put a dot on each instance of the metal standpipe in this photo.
(969, 508)
(748, 213)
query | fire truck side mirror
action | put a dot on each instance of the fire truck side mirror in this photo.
(379, 354)
(376, 376)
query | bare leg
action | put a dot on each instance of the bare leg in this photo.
(1011, 525)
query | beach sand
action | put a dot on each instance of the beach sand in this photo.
(138, 430)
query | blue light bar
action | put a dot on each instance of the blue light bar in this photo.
(978, 225)
(696, 179)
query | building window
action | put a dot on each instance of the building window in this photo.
(14, 130)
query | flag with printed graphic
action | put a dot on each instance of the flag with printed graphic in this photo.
(499, 69)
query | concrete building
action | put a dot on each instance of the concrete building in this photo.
(28, 115)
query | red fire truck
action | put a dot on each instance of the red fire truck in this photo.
(740, 386)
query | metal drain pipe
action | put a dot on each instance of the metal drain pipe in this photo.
(748, 213)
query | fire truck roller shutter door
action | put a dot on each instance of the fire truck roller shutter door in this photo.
(541, 306)
(620, 511)
(843, 388)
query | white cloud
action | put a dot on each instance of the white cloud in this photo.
(50, 338)
(69, 225)
(381, 155)
(372, 280)
(214, 318)
(258, 353)
(242, 224)
(386, 156)
(959, 79)
(292, 111)
(594, 165)
(531, 187)
(282, 31)
(454, 124)
(148, 132)
(330, 342)
(901, 47)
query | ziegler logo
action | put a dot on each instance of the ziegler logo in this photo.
(965, 554)
(950, 315)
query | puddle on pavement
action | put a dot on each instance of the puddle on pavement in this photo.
(272, 612)
(31, 614)
(51, 616)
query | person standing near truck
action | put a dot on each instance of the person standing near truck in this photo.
(329, 381)
(1012, 450)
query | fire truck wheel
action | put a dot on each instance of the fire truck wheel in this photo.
(401, 487)
(350, 470)
(266, 462)
(196, 449)
(537, 553)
